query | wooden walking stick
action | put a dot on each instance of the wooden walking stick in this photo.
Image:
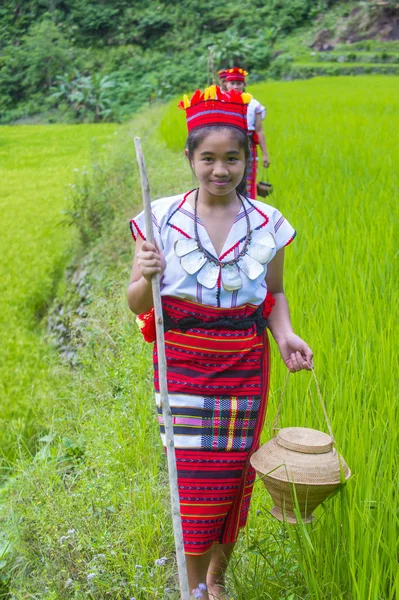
(163, 386)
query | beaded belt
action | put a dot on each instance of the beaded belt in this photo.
(235, 323)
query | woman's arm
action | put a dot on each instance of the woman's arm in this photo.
(295, 352)
(148, 260)
(262, 139)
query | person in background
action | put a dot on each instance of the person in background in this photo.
(235, 80)
(222, 79)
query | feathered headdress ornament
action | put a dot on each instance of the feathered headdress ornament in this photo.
(214, 107)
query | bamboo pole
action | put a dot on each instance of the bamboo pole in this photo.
(163, 386)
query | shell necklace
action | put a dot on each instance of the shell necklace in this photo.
(194, 258)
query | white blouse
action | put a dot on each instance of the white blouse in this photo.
(254, 108)
(173, 220)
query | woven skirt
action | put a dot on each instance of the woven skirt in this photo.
(218, 382)
(252, 170)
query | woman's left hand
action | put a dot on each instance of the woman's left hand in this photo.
(295, 353)
(266, 161)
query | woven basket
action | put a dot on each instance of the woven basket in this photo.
(263, 189)
(299, 462)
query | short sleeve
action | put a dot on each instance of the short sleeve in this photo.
(261, 110)
(137, 227)
(284, 233)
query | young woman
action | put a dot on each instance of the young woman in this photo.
(221, 258)
(235, 80)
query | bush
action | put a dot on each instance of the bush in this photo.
(86, 95)
(281, 66)
(46, 53)
(32, 67)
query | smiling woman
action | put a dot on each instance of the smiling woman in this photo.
(220, 255)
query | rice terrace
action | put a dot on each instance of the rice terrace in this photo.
(84, 488)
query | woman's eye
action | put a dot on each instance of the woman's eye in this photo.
(232, 159)
(207, 159)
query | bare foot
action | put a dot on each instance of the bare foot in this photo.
(216, 592)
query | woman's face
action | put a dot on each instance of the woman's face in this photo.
(239, 86)
(219, 163)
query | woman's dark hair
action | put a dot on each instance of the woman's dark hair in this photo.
(197, 136)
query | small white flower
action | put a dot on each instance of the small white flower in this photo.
(161, 561)
(91, 576)
(71, 531)
(63, 538)
(68, 582)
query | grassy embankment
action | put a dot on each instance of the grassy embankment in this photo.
(37, 163)
(90, 516)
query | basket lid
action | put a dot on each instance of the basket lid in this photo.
(302, 439)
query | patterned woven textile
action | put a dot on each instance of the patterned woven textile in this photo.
(209, 484)
(252, 170)
(218, 383)
(211, 362)
(212, 423)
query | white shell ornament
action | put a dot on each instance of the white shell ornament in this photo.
(231, 278)
(267, 240)
(251, 267)
(193, 261)
(183, 247)
(260, 252)
(208, 275)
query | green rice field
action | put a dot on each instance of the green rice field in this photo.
(88, 515)
(36, 165)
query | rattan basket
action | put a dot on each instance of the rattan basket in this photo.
(263, 189)
(300, 467)
(299, 462)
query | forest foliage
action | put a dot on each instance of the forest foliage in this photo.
(95, 60)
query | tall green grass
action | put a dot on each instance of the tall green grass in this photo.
(101, 474)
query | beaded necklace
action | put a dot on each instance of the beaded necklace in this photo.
(205, 252)
(195, 259)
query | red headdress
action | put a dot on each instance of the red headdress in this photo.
(236, 74)
(214, 107)
(222, 74)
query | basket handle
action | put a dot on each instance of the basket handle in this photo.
(275, 424)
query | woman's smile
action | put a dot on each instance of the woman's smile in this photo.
(220, 182)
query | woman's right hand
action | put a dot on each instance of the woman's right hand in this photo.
(150, 260)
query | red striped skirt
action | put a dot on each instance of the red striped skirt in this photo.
(218, 382)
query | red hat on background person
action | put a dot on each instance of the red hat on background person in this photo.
(236, 74)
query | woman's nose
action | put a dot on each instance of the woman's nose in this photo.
(219, 169)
